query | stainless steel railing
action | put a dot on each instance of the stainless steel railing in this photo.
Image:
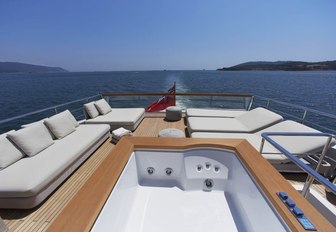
(299, 113)
(77, 111)
(312, 174)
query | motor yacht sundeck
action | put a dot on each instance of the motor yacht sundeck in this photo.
(212, 182)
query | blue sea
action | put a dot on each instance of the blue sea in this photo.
(26, 92)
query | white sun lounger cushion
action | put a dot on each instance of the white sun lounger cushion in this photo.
(91, 110)
(32, 140)
(9, 154)
(103, 107)
(259, 118)
(296, 145)
(249, 122)
(253, 139)
(194, 112)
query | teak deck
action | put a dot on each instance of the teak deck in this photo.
(66, 197)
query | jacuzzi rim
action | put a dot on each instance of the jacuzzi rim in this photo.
(115, 162)
(233, 152)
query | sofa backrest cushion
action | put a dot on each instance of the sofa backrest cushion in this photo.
(71, 117)
(9, 154)
(103, 107)
(60, 124)
(41, 121)
(91, 110)
(31, 140)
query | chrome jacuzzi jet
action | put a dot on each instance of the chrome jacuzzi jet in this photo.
(199, 168)
(150, 170)
(169, 171)
(208, 183)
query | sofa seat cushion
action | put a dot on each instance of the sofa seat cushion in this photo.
(120, 117)
(32, 140)
(30, 175)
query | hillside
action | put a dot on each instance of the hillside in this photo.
(283, 65)
(14, 67)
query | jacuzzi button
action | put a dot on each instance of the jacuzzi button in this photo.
(297, 212)
(199, 168)
(207, 165)
(150, 170)
(283, 195)
(216, 169)
(290, 203)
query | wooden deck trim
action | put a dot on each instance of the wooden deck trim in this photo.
(83, 209)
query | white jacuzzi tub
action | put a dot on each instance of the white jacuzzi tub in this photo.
(192, 190)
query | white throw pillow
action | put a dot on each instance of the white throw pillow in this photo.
(9, 154)
(60, 125)
(41, 122)
(32, 123)
(31, 140)
(71, 117)
(91, 110)
(103, 107)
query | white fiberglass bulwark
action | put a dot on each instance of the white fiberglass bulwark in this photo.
(192, 190)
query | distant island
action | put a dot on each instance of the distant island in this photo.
(283, 66)
(15, 67)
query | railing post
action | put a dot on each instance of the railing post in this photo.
(310, 179)
(268, 103)
(262, 145)
(304, 116)
(250, 104)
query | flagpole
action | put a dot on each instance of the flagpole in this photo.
(174, 93)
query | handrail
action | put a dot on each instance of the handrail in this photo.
(297, 106)
(45, 109)
(312, 174)
(177, 94)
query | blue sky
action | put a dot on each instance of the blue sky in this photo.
(108, 35)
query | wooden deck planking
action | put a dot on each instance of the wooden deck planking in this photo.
(152, 125)
(38, 219)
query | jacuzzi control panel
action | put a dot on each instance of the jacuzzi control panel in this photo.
(297, 212)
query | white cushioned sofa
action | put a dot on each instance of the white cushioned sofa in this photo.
(100, 112)
(36, 159)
